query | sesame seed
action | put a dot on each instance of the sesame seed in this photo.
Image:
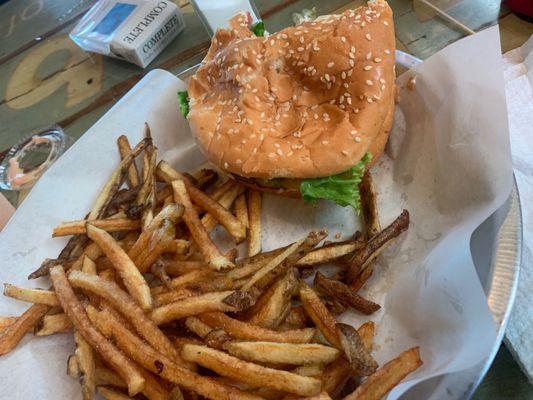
(271, 155)
(300, 49)
(369, 100)
(369, 55)
(367, 67)
(301, 39)
(387, 51)
(226, 165)
(377, 60)
(238, 161)
(276, 145)
(385, 23)
(357, 139)
(350, 72)
(353, 132)
(331, 64)
(344, 152)
(254, 151)
(369, 82)
(284, 36)
(343, 75)
(356, 110)
(351, 55)
(345, 85)
(326, 77)
(290, 153)
(381, 80)
(343, 39)
(279, 151)
(351, 62)
(315, 116)
(325, 142)
(349, 100)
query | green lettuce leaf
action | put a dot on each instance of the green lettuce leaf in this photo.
(183, 99)
(258, 28)
(342, 188)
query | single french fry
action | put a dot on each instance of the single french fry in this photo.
(365, 256)
(226, 200)
(124, 304)
(76, 312)
(73, 368)
(245, 331)
(179, 267)
(124, 149)
(86, 362)
(51, 324)
(39, 296)
(274, 305)
(197, 326)
(210, 252)
(254, 222)
(344, 294)
(328, 253)
(160, 364)
(158, 244)
(251, 373)
(241, 209)
(88, 266)
(173, 295)
(363, 364)
(369, 206)
(132, 278)
(111, 394)
(377, 385)
(283, 353)
(309, 370)
(320, 315)
(190, 306)
(366, 332)
(108, 225)
(13, 334)
(107, 377)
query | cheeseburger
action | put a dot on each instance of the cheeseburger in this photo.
(301, 112)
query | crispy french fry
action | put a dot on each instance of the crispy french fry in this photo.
(51, 324)
(245, 331)
(108, 225)
(159, 243)
(16, 331)
(39, 296)
(363, 364)
(210, 252)
(320, 315)
(309, 370)
(107, 377)
(75, 311)
(274, 305)
(369, 206)
(114, 182)
(221, 189)
(190, 306)
(178, 267)
(172, 212)
(366, 332)
(377, 385)
(321, 396)
(73, 368)
(85, 356)
(247, 372)
(335, 376)
(178, 246)
(296, 318)
(375, 246)
(110, 394)
(328, 253)
(124, 149)
(226, 200)
(283, 353)
(241, 209)
(88, 266)
(196, 325)
(6, 321)
(162, 366)
(132, 278)
(120, 301)
(171, 296)
(344, 294)
(219, 212)
(254, 222)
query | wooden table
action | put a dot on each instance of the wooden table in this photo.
(45, 79)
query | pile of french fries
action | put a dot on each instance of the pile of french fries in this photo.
(158, 311)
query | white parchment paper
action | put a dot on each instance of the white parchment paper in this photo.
(448, 163)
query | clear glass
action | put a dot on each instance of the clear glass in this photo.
(26, 161)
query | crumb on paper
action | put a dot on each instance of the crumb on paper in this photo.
(337, 235)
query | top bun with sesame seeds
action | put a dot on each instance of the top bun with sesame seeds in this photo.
(309, 101)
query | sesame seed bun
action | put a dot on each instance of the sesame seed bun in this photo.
(306, 102)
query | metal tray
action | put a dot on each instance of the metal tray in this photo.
(496, 247)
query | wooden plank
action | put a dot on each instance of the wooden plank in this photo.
(24, 24)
